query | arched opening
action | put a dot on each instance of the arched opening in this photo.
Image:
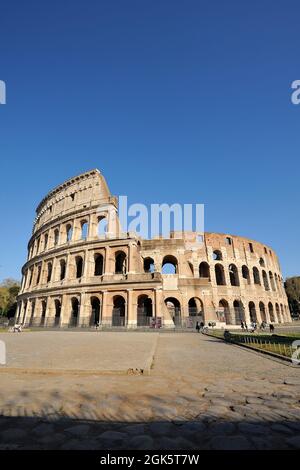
(278, 313)
(57, 306)
(174, 308)
(220, 275)
(262, 312)
(120, 262)
(272, 281)
(102, 227)
(79, 267)
(74, 312)
(233, 275)
(95, 315)
(224, 312)
(49, 272)
(84, 230)
(149, 265)
(38, 278)
(144, 310)
(46, 241)
(281, 310)
(196, 311)
(261, 262)
(204, 270)
(62, 269)
(252, 312)
(69, 233)
(118, 314)
(99, 263)
(271, 312)
(170, 265)
(239, 313)
(56, 237)
(217, 255)
(245, 273)
(265, 280)
(43, 314)
(32, 313)
(256, 276)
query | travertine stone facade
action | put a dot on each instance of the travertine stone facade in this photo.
(82, 270)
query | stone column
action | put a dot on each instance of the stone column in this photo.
(85, 310)
(131, 310)
(106, 310)
(26, 313)
(65, 310)
(108, 263)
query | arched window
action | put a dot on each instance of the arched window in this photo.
(144, 310)
(262, 312)
(79, 266)
(204, 270)
(49, 272)
(43, 314)
(217, 255)
(118, 314)
(99, 262)
(261, 262)
(195, 307)
(57, 306)
(256, 276)
(149, 265)
(170, 265)
(120, 263)
(224, 312)
(265, 280)
(62, 269)
(174, 309)
(272, 281)
(39, 274)
(84, 230)
(74, 312)
(238, 312)
(95, 316)
(102, 226)
(220, 275)
(245, 273)
(69, 233)
(45, 241)
(271, 312)
(252, 312)
(233, 274)
(56, 236)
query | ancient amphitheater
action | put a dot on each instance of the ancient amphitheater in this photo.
(82, 270)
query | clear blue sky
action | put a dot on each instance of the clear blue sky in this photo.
(174, 101)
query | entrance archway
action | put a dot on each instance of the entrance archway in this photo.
(144, 310)
(95, 315)
(118, 313)
(174, 308)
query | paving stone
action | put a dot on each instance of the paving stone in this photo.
(13, 434)
(161, 429)
(43, 429)
(294, 442)
(79, 430)
(230, 443)
(141, 443)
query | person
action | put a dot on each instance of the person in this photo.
(197, 327)
(246, 326)
(272, 328)
(201, 326)
(242, 324)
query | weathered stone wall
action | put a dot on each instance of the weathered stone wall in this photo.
(82, 269)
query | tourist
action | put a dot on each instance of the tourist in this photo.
(197, 327)
(242, 325)
(272, 329)
(201, 326)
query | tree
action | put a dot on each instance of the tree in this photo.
(9, 289)
(292, 287)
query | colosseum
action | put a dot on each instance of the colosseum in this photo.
(82, 270)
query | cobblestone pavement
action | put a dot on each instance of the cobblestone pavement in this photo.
(201, 394)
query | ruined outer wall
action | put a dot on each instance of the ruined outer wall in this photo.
(64, 284)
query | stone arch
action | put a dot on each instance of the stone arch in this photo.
(265, 280)
(69, 233)
(204, 270)
(271, 312)
(233, 275)
(119, 311)
(62, 273)
(262, 311)
(84, 227)
(256, 276)
(195, 306)
(246, 273)
(99, 264)
(49, 271)
(57, 310)
(149, 265)
(43, 312)
(79, 266)
(31, 321)
(120, 262)
(102, 226)
(278, 313)
(170, 265)
(262, 262)
(174, 307)
(75, 308)
(95, 317)
(220, 275)
(144, 310)
(272, 281)
(252, 312)
(224, 312)
(239, 311)
(217, 255)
